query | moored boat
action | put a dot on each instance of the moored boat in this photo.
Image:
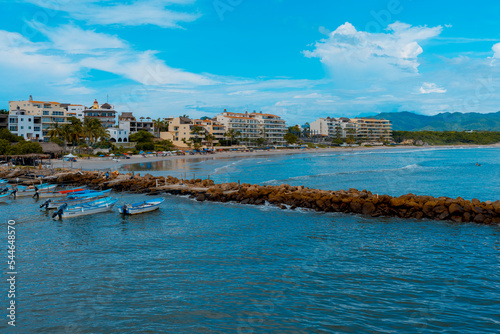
(60, 193)
(32, 190)
(4, 197)
(66, 211)
(141, 207)
(49, 204)
(88, 193)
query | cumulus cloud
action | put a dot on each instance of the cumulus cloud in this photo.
(496, 50)
(429, 87)
(352, 54)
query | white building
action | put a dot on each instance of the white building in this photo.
(369, 129)
(117, 135)
(48, 111)
(76, 110)
(28, 126)
(252, 126)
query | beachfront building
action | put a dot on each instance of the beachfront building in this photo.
(180, 131)
(324, 127)
(76, 110)
(117, 135)
(211, 127)
(373, 130)
(252, 126)
(39, 114)
(27, 126)
(105, 113)
(368, 129)
(128, 122)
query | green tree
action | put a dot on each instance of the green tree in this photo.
(142, 136)
(290, 138)
(9, 136)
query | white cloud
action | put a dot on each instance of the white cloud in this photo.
(135, 13)
(70, 52)
(308, 96)
(429, 87)
(352, 54)
(496, 49)
(74, 40)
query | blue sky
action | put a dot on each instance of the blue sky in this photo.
(300, 60)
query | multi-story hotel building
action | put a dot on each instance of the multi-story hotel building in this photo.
(254, 125)
(128, 121)
(180, 131)
(372, 129)
(105, 113)
(39, 114)
(369, 129)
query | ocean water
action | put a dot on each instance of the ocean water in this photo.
(434, 171)
(206, 267)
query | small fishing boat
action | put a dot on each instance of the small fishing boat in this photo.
(88, 193)
(4, 197)
(60, 193)
(141, 207)
(49, 204)
(33, 190)
(66, 211)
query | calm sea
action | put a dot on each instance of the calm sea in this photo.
(227, 268)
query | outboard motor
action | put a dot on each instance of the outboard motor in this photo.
(124, 209)
(60, 211)
(46, 204)
(13, 193)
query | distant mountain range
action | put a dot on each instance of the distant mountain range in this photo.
(408, 121)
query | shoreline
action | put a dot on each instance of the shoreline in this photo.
(99, 164)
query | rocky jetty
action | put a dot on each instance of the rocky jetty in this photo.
(292, 197)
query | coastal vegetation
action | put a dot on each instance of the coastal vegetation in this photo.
(447, 137)
(11, 144)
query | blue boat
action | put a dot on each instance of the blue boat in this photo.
(88, 193)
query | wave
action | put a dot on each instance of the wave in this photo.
(305, 177)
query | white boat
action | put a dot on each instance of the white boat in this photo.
(85, 209)
(141, 207)
(49, 204)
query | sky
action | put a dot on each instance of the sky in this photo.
(296, 59)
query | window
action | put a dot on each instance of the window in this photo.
(22, 127)
(29, 127)
(46, 113)
(22, 119)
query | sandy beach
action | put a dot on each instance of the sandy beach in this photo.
(107, 163)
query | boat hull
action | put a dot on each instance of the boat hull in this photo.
(55, 205)
(138, 208)
(131, 211)
(86, 211)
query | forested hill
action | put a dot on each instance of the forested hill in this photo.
(408, 121)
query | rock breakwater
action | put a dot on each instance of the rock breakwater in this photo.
(291, 197)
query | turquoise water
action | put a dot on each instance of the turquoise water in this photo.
(437, 172)
(227, 268)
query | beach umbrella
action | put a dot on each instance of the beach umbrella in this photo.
(101, 155)
(111, 155)
(141, 152)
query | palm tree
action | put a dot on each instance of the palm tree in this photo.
(196, 131)
(57, 132)
(159, 126)
(209, 138)
(231, 134)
